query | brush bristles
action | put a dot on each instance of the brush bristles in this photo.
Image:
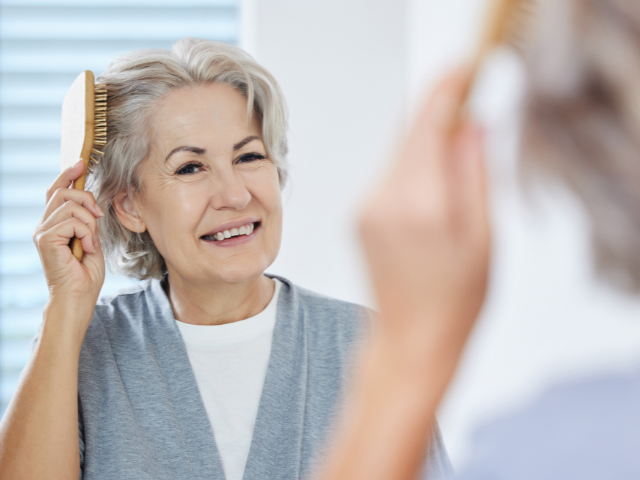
(100, 126)
(508, 24)
(517, 28)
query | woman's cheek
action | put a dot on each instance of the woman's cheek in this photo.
(264, 183)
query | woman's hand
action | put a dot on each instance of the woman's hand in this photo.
(426, 233)
(39, 431)
(70, 213)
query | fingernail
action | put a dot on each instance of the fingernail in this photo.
(99, 211)
(81, 162)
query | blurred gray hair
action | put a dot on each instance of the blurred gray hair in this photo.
(582, 120)
(135, 83)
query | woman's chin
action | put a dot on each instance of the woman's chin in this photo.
(241, 268)
(239, 273)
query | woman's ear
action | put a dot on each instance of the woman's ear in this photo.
(127, 212)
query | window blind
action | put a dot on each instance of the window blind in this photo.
(44, 45)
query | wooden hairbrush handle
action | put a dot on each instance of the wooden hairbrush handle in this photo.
(78, 184)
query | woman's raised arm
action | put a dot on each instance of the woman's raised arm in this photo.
(427, 239)
(39, 431)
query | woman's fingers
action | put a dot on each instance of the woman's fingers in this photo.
(61, 233)
(80, 197)
(71, 210)
(426, 230)
(469, 180)
(421, 178)
(65, 178)
(438, 117)
(70, 213)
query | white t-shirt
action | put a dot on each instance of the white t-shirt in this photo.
(230, 363)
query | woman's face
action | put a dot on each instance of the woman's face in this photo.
(210, 196)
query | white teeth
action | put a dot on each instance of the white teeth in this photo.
(234, 232)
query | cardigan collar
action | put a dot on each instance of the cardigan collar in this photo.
(285, 378)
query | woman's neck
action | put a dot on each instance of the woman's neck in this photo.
(220, 303)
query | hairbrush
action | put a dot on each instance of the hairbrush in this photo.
(84, 131)
(507, 24)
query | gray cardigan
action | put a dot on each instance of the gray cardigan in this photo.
(140, 412)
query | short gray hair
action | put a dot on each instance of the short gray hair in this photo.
(582, 120)
(135, 82)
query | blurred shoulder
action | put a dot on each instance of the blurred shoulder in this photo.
(587, 429)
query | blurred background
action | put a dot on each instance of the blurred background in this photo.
(353, 72)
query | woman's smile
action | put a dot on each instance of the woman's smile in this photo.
(233, 234)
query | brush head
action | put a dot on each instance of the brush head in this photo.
(76, 141)
(84, 131)
(508, 23)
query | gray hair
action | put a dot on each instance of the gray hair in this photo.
(582, 120)
(135, 82)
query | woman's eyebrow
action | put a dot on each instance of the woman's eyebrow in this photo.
(242, 143)
(186, 148)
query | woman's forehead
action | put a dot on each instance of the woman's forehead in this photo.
(215, 114)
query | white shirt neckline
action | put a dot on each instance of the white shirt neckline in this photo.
(229, 333)
(230, 364)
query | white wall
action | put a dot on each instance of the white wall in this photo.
(341, 65)
(352, 70)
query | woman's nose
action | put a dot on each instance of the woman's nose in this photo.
(230, 192)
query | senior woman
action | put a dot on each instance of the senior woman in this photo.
(212, 369)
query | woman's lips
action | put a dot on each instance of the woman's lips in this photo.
(229, 226)
(234, 241)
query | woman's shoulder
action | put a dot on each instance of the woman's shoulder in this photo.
(128, 312)
(323, 315)
(125, 302)
(324, 304)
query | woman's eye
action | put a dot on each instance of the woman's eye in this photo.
(250, 157)
(189, 169)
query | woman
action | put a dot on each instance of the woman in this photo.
(212, 370)
(581, 124)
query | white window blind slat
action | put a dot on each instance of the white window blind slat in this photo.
(120, 3)
(44, 45)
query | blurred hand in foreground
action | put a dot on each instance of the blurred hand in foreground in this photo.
(427, 239)
(426, 230)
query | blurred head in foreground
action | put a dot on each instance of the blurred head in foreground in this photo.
(582, 119)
